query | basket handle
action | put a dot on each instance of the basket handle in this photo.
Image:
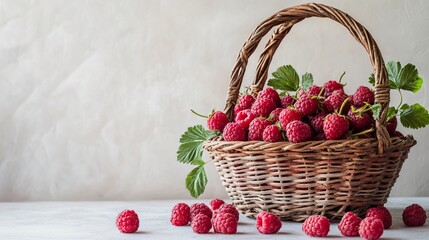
(288, 17)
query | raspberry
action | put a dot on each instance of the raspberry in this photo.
(274, 115)
(256, 129)
(244, 118)
(332, 86)
(349, 225)
(198, 208)
(381, 213)
(316, 122)
(180, 215)
(398, 134)
(335, 126)
(360, 121)
(316, 226)
(263, 107)
(306, 105)
(298, 131)
(335, 101)
(127, 221)
(234, 132)
(216, 203)
(227, 208)
(314, 90)
(287, 101)
(414, 215)
(225, 223)
(270, 93)
(371, 228)
(391, 126)
(244, 102)
(272, 134)
(363, 95)
(217, 121)
(201, 223)
(268, 223)
(288, 115)
(319, 137)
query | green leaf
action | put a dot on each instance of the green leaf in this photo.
(391, 113)
(415, 116)
(285, 78)
(393, 68)
(307, 81)
(196, 181)
(191, 144)
(375, 110)
(408, 78)
(414, 85)
(372, 79)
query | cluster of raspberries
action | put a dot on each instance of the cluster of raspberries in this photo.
(222, 217)
(320, 113)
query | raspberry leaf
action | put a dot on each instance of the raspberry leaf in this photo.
(414, 116)
(375, 110)
(391, 113)
(196, 181)
(307, 81)
(408, 79)
(285, 78)
(191, 144)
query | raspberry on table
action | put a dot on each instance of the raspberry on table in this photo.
(225, 223)
(371, 228)
(381, 213)
(127, 221)
(316, 226)
(263, 107)
(288, 115)
(272, 133)
(180, 215)
(270, 93)
(287, 101)
(244, 118)
(217, 121)
(227, 208)
(298, 131)
(201, 223)
(349, 225)
(331, 86)
(414, 215)
(316, 122)
(335, 126)
(234, 132)
(256, 129)
(363, 95)
(216, 203)
(198, 208)
(307, 105)
(268, 223)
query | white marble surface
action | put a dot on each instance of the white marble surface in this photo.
(96, 220)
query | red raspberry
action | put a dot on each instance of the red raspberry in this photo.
(268, 223)
(256, 129)
(298, 131)
(316, 122)
(274, 115)
(127, 221)
(349, 225)
(217, 121)
(263, 107)
(272, 134)
(244, 118)
(319, 137)
(201, 223)
(244, 102)
(314, 90)
(306, 105)
(414, 215)
(288, 115)
(391, 126)
(360, 121)
(216, 203)
(381, 213)
(180, 215)
(371, 228)
(398, 134)
(332, 86)
(363, 95)
(335, 126)
(198, 208)
(270, 93)
(227, 208)
(225, 223)
(234, 132)
(335, 101)
(287, 101)
(316, 226)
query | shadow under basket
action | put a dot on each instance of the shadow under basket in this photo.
(297, 180)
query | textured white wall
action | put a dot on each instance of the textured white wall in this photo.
(94, 95)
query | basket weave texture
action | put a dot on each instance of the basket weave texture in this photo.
(297, 180)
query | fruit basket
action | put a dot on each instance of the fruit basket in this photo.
(297, 180)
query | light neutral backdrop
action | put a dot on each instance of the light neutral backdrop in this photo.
(94, 95)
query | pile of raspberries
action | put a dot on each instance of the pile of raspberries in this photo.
(320, 113)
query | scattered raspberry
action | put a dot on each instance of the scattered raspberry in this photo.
(381, 213)
(332, 86)
(263, 107)
(414, 215)
(270, 93)
(360, 121)
(180, 215)
(274, 115)
(225, 223)
(244, 118)
(234, 132)
(227, 208)
(391, 126)
(201, 223)
(314, 90)
(244, 102)
(316, 226)
(363, 95)
(335, 126)
(398, 134)
(287, 101)
(288, 115)
(268, 223)
(217, 121)
(216, 203)
(298, 131)
(306, 105)
(256, 129)
(349, 225)
(335, 101)
(316, 122)
(319, 137)
(272, 134)
(127, 221)
(198, 208)
(371, 228)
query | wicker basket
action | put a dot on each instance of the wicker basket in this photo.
(296, 180)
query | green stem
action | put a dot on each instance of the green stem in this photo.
(342, 105)
(200, 115)
(400, 103)
(341, 77)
